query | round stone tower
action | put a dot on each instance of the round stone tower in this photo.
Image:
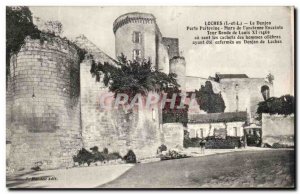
(45, 110)
(178, 66)
(136, 36)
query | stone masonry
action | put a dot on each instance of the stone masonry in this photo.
(114, 129)
(43, 105)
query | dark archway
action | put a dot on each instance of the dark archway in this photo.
(265, 91)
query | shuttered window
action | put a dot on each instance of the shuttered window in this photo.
(136, 37)
(137, 55)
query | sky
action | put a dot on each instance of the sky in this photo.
(202, 60)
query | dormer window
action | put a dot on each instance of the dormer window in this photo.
(137, 37)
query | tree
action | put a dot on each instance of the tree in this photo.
(19, 24)
(132, 77)
(54, 27)
(283, 105)
(130, 157)
(270, 78)
(208, 100)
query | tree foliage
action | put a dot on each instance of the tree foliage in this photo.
(132, 77)
(283, 105)
(130, 157)
(84, 156)
(54, 27)
(270, 78)
(19, 24)
(208, 100)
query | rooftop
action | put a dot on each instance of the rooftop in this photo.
(218, 117)
(231, 76)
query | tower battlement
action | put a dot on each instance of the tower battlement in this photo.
(134, 17)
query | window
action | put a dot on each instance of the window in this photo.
(236, 86)
(235, 131)
(265, 91)
(137, 54)
(153, 114)
(136, 37)
(201, 133)
(194, 133)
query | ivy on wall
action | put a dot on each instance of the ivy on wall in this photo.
(284, 105)
(19, 25)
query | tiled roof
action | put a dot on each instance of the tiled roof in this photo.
(218, 117)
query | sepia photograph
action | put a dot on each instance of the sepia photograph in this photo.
(150, 97)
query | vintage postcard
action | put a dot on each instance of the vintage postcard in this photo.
(150, 97)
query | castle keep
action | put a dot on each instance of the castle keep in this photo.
(53, 101)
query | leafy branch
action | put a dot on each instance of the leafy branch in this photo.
(133, 77)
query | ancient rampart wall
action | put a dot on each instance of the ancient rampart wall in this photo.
(114, 129)
(44, 120)
(278, 129)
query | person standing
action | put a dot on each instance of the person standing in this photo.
(202, 145)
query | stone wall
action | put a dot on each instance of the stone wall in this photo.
(98, 124)
(114, 129)
(173, 135)
(278, 129)
(243, 94)
(239, 94)
(45, 108)
(195, 83)
(172, 45)
(9, 103)
(178, 66)
(163, 59)
(145, 134)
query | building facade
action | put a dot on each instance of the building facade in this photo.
(202, 126)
